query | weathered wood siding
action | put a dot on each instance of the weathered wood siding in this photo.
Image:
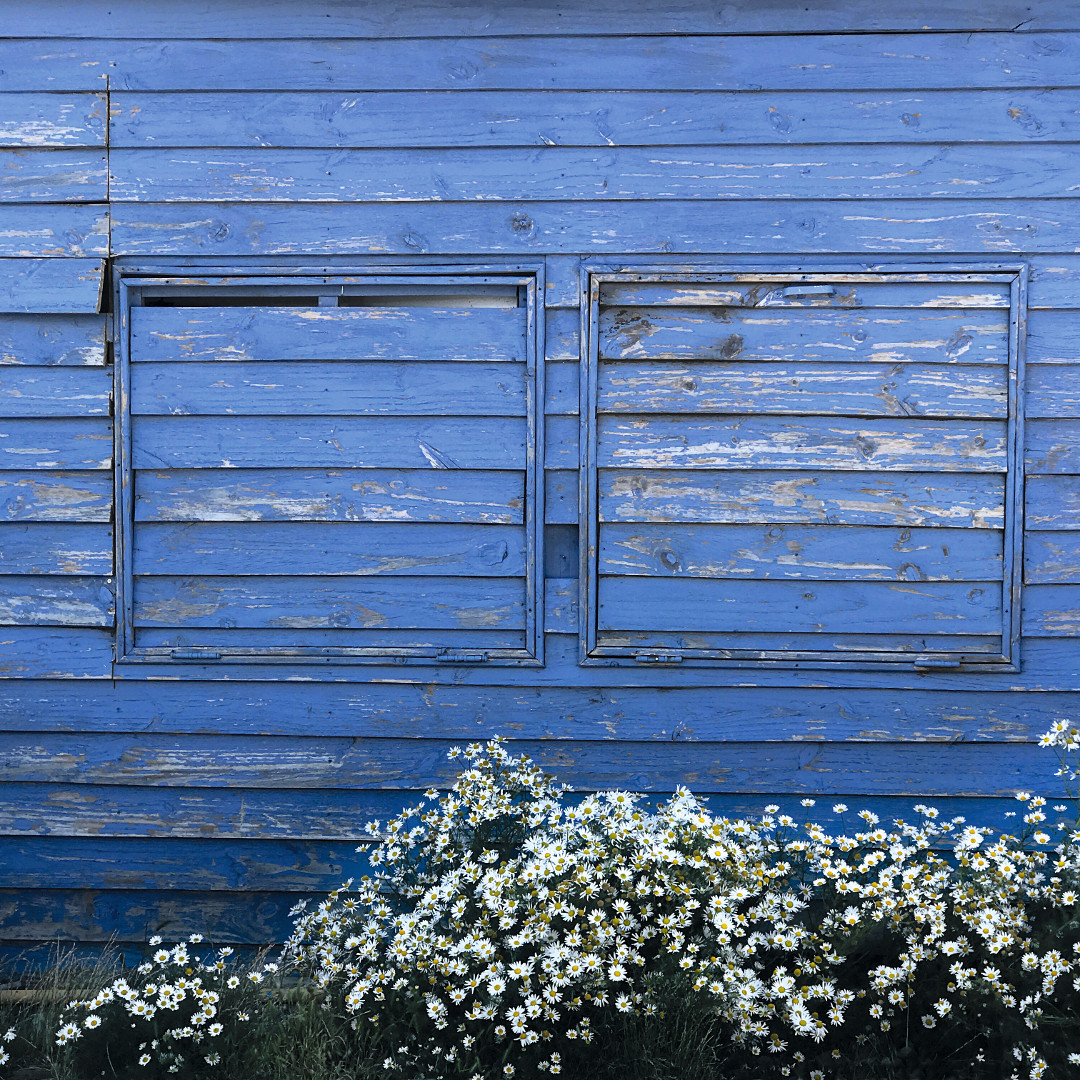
(316, 139)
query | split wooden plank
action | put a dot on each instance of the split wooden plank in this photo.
(326, 388)
(265, 333)
(813, 552)
(837, 498)
(628, 117)
(56, 548)
(450, 443)
(755, 442)
(338, 548)
(800, 388)
(733, 607)
(328, 603)
(54, 286)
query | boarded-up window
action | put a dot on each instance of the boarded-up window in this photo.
(810, 467)
(334, 467)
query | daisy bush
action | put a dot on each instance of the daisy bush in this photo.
(510, 929)
(167, 1018)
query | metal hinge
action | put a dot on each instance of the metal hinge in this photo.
(935, 663)
(460, 656)
(658, 658)
(195, 654)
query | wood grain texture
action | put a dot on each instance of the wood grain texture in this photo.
(338, 18)
(753, 442)
(53, 176)
(33, 231)
(55, 496)
(995, 227)
(56, 548)
(63, 286)
(48, 653)
(55, 601)
(68, 443)
(858, 171)
(54, 391)
(774, 497)
(1052, 502)
(813, 552)
(378, 333)
(53, 120)
(629, 117)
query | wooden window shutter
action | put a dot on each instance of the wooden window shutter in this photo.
(807, 467)
(335, 468)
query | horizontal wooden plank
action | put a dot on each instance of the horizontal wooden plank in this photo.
(370, 333)
(342, 548)
(996, 227)
(56, 810)
(406, 442)
(53, 339)
(53, 601)
(332, 19)
(61, 286)
(65, 443)
(834, 498)
(1052, 390)
(828, 644)
(460, 118)
(106, 862)
(865, 171)
(880, 336)
(451, 603)
(330, 495)
(32, 231)
(782, 607)
(805, 443)
(53, 120)
(200, 761)
(1052, 502)
(305, 643)
(1053, 337)
(111, 917)
(570, 710)
(799, 388)
(896, 61)
(1051, 610)
(383, 709)
(56, 548)
(54, 391)
(330, 388)
(850, 291)
(813, 552)
(1051, 557)
(54, 496)
(53, 176)
(36, 652)
(1052, 446)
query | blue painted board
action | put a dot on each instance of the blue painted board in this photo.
(55, 601)
(629, 117)
(433, 334)
(327, 388)
(53, 176)
(755, 442)
(63, 286)
(987, 227)
(55, 496)
(55, 548)
(68, 443)
(1052, 502)
(47, 652)
(347, 494)
(52, 119)
(344, 548)
(33, 231)
(54, 391)
(780, 497)
(1052, 446)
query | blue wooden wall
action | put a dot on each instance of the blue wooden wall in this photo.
(314, 138)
